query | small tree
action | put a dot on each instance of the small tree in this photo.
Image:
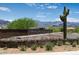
(64, 20)
(22, 23)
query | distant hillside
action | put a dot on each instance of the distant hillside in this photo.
(57, 24)
(3, 22)
(45, 24)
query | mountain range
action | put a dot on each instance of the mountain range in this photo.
(46, 24)
(57, 24)
(3, 22)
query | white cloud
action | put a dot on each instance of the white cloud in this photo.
(4, 9)
(40, 13)
(6, 19)
(40, 16)
(31, 4)
(9, 20)
(76, 12)
(40, 6)
(43, 6)
(52, 7)
(73, 20)
(46, 4)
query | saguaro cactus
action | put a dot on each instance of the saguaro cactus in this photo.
(64, 20)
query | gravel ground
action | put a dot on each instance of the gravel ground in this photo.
(47, 36)
(62, 48)
(73, 35)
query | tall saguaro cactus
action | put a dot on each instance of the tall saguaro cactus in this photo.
(64, 20)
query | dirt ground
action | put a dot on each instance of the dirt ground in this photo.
(62, 48)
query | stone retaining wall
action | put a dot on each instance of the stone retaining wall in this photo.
(5, 33)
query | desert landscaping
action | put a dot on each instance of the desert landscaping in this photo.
(63, 48)
(37, 30)
(52, 45)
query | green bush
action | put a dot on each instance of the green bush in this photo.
(49, 46)
(22, 23)
(34, 47)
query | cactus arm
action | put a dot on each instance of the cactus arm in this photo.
(67, 12)
(61, 18)
(64, 12)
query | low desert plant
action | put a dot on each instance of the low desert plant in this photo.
(34, 47)
(41, 46)
(59, 43)
(78, 42)
(22, 48)
(49, 46)
(5, 48)
(74, 44)
(71, 42)
(77, 30)
(68, 43)
(64, 42)
(54, 43)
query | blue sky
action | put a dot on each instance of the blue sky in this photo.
(40, 12)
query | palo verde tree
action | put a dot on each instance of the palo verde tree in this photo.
(64, 20)
(22, 23)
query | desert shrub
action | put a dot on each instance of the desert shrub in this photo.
(77, 29)
(50, 28)
(49, 46)
(67, 43)
(5, 48)
(74, 44)
(34, 47)
(55, 29)
(71, 42)
(59, 43)
(22, 48)
(64, 42)
(54, 43)
(41, 46)
(78, 42)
